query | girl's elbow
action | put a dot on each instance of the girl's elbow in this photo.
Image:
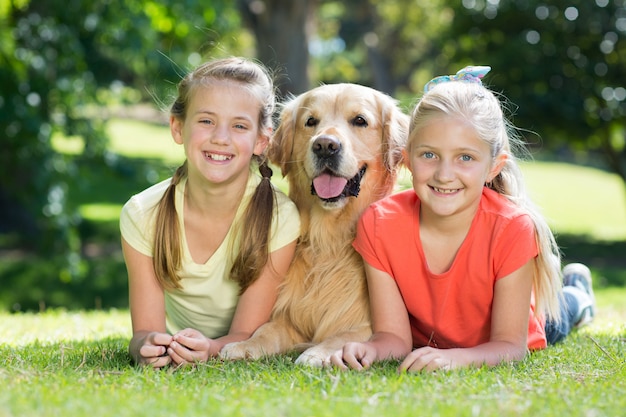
(516, 353)
(506, 351)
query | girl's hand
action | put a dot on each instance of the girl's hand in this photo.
(357, 356)
(189, 346)
(429, 359)
(153, 350)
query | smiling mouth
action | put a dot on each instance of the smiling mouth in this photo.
(445, 190)
(331, 188)
(217, 157)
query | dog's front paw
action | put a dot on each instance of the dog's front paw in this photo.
(241, 350)
(316, 358)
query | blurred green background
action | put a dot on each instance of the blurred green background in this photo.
(85, 86)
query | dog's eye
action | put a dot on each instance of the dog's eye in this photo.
(311, 121)
(359, 121)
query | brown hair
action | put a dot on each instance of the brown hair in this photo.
(257, 218)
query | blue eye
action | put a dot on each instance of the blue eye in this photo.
(466, 158)
(429, 155)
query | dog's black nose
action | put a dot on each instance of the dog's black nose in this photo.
(326, 146)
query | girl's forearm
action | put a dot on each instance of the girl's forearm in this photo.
(389, 346)
(490, 354)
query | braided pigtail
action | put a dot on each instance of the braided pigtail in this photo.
(257, 223)
(167, 241)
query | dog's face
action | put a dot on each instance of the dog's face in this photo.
(337, 142)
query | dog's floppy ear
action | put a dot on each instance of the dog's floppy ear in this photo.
(395, 132)
(280, 151)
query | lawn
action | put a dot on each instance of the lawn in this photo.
(63, 363)
(75, 363)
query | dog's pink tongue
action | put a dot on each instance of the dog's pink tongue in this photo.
(329, 186)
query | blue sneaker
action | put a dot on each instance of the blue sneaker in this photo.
(577, 281)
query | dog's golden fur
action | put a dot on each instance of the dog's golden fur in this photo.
(336, 129)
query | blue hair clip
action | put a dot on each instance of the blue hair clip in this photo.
(471, 74)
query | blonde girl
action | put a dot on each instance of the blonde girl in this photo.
(462, 269)
(207, 249)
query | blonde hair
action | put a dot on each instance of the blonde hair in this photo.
(477, 105)
(257, 219)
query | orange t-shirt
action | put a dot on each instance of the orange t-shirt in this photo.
(452, 309)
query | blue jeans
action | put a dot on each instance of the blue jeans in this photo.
(556, 332)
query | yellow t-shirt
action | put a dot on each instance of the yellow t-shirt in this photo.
(208, 298)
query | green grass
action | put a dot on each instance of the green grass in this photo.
(63, 363)
(579, 200)
(143, 140)
(133, 139)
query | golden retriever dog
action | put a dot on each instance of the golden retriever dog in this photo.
(339, 146)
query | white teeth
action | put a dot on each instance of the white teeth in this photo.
(217, 157)
(443, 191)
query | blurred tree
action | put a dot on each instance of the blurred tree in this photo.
(563, 62)
(281, 30)
(396, 37)
(62, 63)
(386, 44)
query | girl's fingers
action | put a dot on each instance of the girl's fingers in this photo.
(160, 339)
(426, 359)
(192, 343)
(152, 351)
(336, 359)
(157, 362)
(196, 343)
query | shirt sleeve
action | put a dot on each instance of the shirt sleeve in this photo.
(286, 223)
(516, 245)
(365, 241)
(134, 227)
